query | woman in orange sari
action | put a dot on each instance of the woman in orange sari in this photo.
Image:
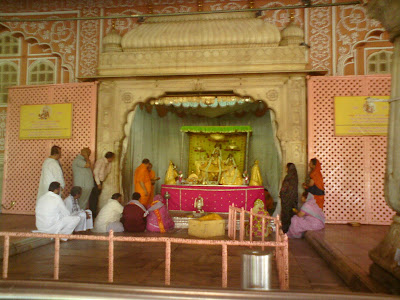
(316, 184)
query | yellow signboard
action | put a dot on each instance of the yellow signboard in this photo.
(46, 121)
(355, 116)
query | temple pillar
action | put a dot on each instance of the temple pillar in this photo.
(385, 268)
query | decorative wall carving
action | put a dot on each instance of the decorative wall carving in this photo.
(89, 47)
(329, 48)
(3, 113)
(61, 36)
(320, 37)
(353, 26)
(193, 61)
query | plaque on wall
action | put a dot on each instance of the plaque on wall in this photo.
(358, 116)
(45, 121)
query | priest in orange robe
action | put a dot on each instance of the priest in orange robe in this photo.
(153, 179)
(142, 182)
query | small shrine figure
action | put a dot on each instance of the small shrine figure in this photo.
(198, 205)
(171, 174)
(212, 169)
(256, 178)
(245, 178)
(192, 178)
(231, 176)
(180, 177)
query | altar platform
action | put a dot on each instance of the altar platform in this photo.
(217, 198)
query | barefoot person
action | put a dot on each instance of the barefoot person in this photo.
(83, 176)
(51, 214)
(142, 181)
(72, 204)
(110, 215)
(310, 217)
(51, 172)
(102, 168)
(153, 179)
(316, 184)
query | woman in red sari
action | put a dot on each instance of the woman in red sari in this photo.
(316, 184)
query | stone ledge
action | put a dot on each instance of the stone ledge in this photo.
(354, 277)
(24, 245)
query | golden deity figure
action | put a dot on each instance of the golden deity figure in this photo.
(255, 176)
(213, 168)
(231, 175)
(171, 174)
(193, 178)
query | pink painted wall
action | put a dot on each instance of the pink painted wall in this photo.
(24, 158)
(353, 167)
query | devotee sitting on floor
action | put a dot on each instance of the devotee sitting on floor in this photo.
(134, 215)
(51, 172)
(51, 214)
(110, 215)
(102, 168)
(159, 219)
(289, 196)
(142, 182)
(72, 204)
(315, 185)
(310, 217)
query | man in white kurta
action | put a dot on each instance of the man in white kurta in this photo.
(110, 215)
(51, 214)
(83, 176)
(51, 172)
(71, 203)
(102, 168)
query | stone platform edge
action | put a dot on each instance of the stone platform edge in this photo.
(354, 277)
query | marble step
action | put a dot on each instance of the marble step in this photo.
(354, 277)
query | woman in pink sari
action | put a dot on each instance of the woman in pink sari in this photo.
(310, 217)
(159, 219)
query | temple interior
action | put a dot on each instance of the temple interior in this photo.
(219, 149)
(151, 132)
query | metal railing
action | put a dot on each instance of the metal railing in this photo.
(281, 243)
(111, 239)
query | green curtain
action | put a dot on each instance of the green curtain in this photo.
(160, 140)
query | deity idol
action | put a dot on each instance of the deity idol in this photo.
(256, 178)
(171, 174)
(211, 171)
(231, 175)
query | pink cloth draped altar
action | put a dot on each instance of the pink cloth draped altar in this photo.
(217, 198)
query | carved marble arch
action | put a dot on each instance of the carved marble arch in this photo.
(149, 104)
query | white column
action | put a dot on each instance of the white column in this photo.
(388, 12)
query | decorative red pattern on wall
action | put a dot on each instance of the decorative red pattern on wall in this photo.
(23, 158)
(337, 35)
(353, 167)
(3, 113)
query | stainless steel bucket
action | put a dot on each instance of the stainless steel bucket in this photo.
(256, 270)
